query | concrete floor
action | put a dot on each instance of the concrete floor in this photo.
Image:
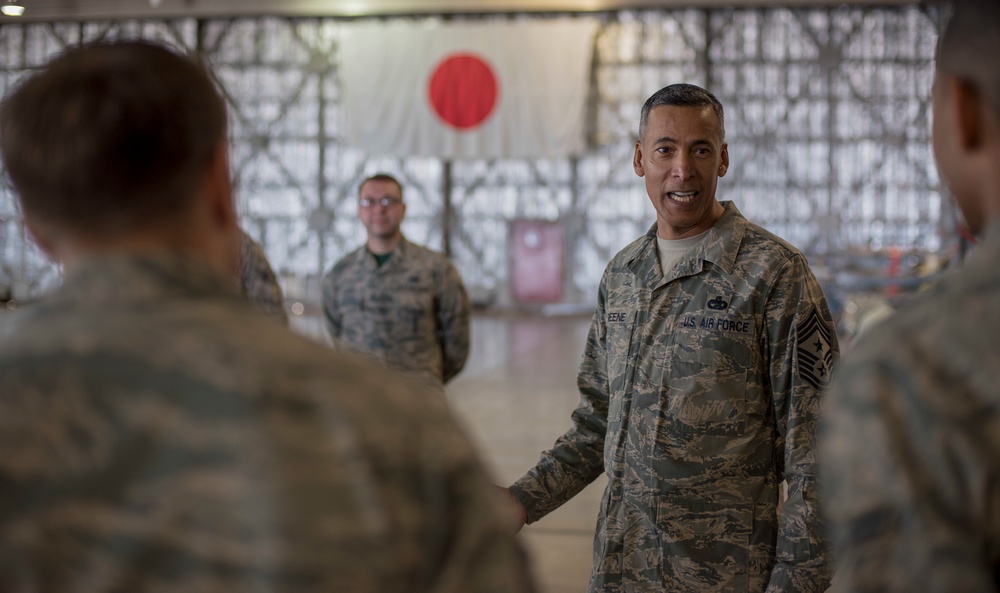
(515, 397)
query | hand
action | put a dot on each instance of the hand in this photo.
(514, 509)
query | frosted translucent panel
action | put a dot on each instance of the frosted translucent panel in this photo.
(827, 119)
(828, 126)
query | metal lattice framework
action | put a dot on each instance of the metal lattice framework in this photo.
(827, 122)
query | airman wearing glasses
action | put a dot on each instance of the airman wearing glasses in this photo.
(395, 300)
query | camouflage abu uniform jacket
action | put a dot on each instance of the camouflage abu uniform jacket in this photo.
(699, 394)
(910, 442)
(258, 281)
(158, 434)
(412, 312)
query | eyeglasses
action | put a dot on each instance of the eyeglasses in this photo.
(383, 202)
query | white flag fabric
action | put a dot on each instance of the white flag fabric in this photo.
(467, 90)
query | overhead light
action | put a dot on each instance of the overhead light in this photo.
(12, 8)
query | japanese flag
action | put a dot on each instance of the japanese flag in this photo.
(467, 90)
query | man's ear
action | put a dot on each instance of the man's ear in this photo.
(637, 160)
(38, 235)
(222, 235)
(969, 112)
(219, 187)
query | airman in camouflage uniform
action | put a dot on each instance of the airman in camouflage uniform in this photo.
(259, 284)
(910, 437)
(699, 388)
(395, 300)
(158, 434)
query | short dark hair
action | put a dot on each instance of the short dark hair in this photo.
(969, 46)
(111, 137)
(382, 177)
(682, 95)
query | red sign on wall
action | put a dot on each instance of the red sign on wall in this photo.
(536, 261)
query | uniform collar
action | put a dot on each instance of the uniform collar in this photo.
(129, 278)
(722, 244)
(983, 256)
(991, 235)
(720, 247)
(398, 254)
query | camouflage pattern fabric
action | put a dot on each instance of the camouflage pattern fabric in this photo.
(910, 442)
(699, 395)
(259, 283)
(159, 435)
(412, 312)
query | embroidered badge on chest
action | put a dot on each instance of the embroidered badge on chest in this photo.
(815, 352)
(717, 304)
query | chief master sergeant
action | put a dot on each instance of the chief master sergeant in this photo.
(699, 387)
(393, 299)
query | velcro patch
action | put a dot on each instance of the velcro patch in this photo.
(815, 351)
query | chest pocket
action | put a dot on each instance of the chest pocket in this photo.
(414, 309)
(705, 379)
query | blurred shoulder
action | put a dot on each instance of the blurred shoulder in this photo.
(348, 261)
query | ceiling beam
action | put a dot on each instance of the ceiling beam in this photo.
(57, 10)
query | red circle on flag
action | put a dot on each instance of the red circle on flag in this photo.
(463, 90)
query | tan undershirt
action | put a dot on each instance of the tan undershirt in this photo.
(672, 251)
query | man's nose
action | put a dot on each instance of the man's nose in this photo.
(682, 166)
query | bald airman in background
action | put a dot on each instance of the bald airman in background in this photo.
(910, 440)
